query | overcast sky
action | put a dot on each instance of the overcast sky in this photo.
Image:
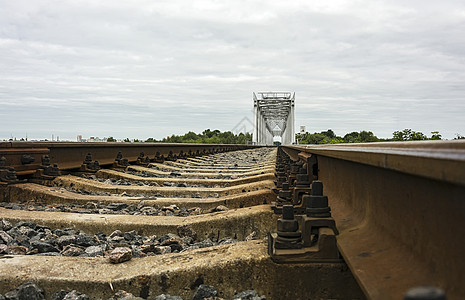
(144, 69)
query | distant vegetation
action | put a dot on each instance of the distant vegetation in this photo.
(206, 137)
(210, 137)
(329, 137)
(325, 137)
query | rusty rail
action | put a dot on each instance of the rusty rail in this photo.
(25, 157)
(400, 212)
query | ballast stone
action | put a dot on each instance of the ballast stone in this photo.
(123, 295)
(167, 297)
(27, 291)
(248, 295)
(120, 254)
(205, 291)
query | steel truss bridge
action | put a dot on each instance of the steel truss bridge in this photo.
(274, 118)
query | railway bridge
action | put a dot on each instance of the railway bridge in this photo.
(190, 220)
(274, 118)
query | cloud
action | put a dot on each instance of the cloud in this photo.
(149, 69)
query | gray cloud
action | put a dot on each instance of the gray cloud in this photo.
(149, 69)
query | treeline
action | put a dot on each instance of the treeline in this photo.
(325, 137)
(206, 137)
(210, 137)
(329, 137)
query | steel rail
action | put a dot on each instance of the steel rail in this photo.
(70, 155)
(400, 211)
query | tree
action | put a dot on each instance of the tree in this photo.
(435, 135)
(329, 133)
(127, 140)
(207, 132)
(351, 137)
(191, 136)
(324, 137)
(366, 137)
(111, 139)
(418, 136)
(411, 135)
(150, 140)
(360, 137)
(404, 135)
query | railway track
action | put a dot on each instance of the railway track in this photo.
(234, 217)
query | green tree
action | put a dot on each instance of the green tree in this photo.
(207, 133)
(192, 136)
(409, 135)
(360, 137)
(329, 133)
(111, 139)
(351, 137)
(435, 135)
(127, 140)
(366, 137)
(418, 136)
(324, 137)
(404, 135)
